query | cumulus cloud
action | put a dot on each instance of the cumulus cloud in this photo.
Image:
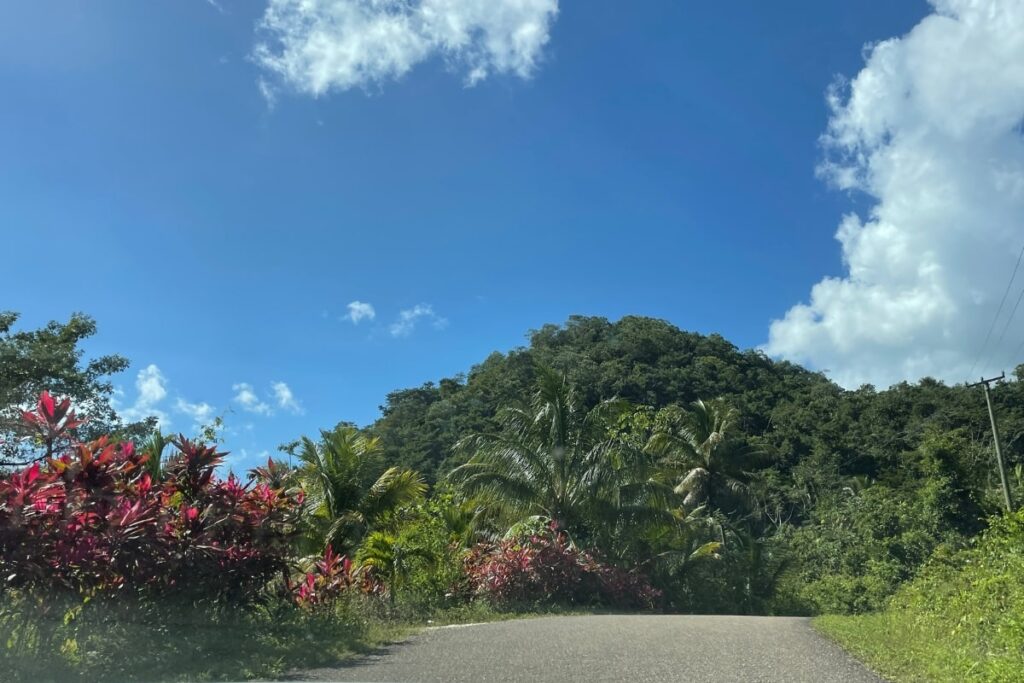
(246, 397)
(151, 387)
(316, 46)
(285, 398)
(409, 318)
(931, 131)
(201, 413)
(359, 310)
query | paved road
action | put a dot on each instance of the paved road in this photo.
(612, 648)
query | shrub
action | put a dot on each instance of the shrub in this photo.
(865, 545)
(959, 619)
(90, 520)
(331, 577)
(545, 569)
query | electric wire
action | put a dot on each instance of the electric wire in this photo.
(1010, 319)
(992, 327)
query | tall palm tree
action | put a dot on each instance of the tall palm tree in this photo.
(700, 451)
(346, 501)
(557, 459)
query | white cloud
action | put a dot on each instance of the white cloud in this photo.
(246, 397)
(316, 46)
(931, 130)
(151, 386)
(358, 310)
(201, 413)
(285, 398)
(409, 318)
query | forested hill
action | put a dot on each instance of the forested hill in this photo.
(798, 418)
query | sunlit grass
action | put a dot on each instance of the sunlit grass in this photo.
(906, 649)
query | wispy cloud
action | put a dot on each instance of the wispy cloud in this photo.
(286, 399)
(201, 413)
(409, 318)
(245, 396)
(930, 130)
(359, 310)
(151, 386)
(316, 46)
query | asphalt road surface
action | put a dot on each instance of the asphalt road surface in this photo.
(611, 648)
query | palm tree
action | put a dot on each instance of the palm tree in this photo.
(346, 501)
(154, 447)
(700, 451)
(684, 543)
(557, 460)
(390, 560)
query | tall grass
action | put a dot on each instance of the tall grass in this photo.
(961, 619)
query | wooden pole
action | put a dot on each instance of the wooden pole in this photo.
(995, 438)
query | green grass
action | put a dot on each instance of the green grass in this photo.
(901, 650)
(168, 643)
(960, 619)
(118, 641)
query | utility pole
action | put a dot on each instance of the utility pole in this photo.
(995, 436)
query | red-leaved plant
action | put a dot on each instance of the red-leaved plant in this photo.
(546, 569)
(330, 577)
(90, 519)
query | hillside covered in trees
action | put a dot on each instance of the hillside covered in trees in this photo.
(607, 465)
(845, 492)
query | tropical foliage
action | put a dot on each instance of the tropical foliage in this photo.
(345, 499)
(91, 520)
(544, 568)
(959, 619)
(560, 461)
(622, 465)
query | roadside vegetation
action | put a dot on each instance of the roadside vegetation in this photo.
(960, 619)
(606, 466)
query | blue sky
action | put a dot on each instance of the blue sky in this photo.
(217, 211)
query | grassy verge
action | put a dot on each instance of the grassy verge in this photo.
(118, 642)
(960, 619)
(161, 642)
(902, 651)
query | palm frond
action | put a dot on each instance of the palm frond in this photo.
(394, 489)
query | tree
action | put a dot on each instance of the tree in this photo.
(50, 359)
(154, 446)
(390, 559)
(700, 448)
(346, 500)
(560, 461)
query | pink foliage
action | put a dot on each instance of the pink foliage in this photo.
(331, 576)
(546, 569)
(91, 519)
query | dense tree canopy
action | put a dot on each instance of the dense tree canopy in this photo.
(823, 498)
(656, 461)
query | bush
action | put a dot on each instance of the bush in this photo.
(958, 620)
(546, 570)
(91, 520)
(432, 576)
(865, 545)
(116, 638)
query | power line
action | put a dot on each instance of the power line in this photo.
(1009, 286)
(1016, 354)
(1010, 319)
